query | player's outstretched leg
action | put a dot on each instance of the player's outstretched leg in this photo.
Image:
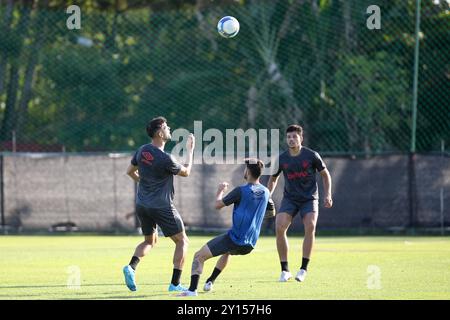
(197, 268)
(220, 265)
(129, 271)
(181, 246)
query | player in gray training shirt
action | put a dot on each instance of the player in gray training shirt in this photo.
(154, 169)
(299, 166)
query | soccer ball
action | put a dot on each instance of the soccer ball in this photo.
(228, 27)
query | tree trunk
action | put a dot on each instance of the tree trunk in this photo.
(287, 22)
(29, 73)
(9, 121)
(349, 29)
(4, 56)
(204, 26)
(351, 44)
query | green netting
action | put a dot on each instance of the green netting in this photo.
(310, 62)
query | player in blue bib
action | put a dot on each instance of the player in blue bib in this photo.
(250, 204)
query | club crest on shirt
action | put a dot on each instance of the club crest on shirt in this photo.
(305, 164)
(147, 157)
(258, 193)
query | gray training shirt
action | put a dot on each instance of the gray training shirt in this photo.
(299, 172)
(156, 171)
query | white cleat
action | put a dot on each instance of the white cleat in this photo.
(301, 275)
(285, 276)
(208, 286)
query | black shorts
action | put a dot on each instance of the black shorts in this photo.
(168, 219)
(293, 208)
(223, 244)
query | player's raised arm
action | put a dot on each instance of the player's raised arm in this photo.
(326, 178)
(186, 170)
(132, 171)
(272, 184)
(219, 195)
(233, 197)
(273, 180)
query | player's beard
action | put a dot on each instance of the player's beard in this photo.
(294, 145)
(167, 137)
(245, 175)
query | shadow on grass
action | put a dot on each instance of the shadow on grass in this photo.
(82, 285)
(79, 296)
(41, 297)
(122, 297)
(19, 296)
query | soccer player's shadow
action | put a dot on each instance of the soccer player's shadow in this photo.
(63, 286)
(122, 297)
(81, 286)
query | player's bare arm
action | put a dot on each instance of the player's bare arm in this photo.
(186, 170)
(132, 171)
(326, 178)
(272, 184)
(219, 195)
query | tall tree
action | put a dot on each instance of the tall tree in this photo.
(40, 27)
(7, 19)
(9, 120)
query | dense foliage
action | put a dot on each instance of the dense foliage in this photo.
(313, 62)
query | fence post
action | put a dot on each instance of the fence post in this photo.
(415, 80)
(116, 221)
(412, 154)
(441, 193)
(412, 189)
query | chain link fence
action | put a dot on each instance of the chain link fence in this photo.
(90, 192)
(317, 63)
(311, 62)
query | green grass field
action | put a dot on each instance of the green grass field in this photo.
(39, 267)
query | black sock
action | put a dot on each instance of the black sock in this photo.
(284, 266)
(176, 275)
(134, 262)
(214, 275)
(194, 282)
(305, 262)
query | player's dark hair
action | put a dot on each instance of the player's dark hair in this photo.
(295, 128)
(255, 167)
(154, 125)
